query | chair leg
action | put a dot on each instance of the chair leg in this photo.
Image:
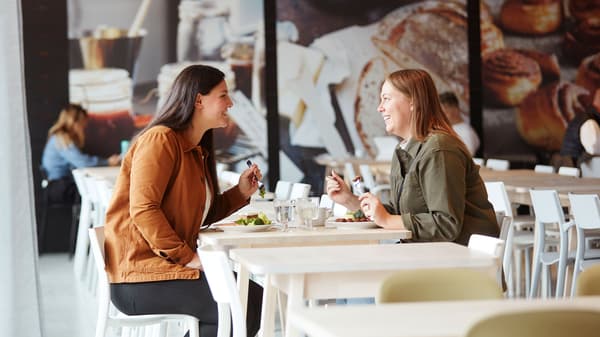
(73, 230)
(518, 277)
(528, 262)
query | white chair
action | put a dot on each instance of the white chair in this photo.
(80, 257)
(591, 168)
(229, 179)
(489, 245)
(299, 190)
(586, 214)
(520, 241)
(479, 161)
(497, 164)
(339, 210)
(548, 210)
(349, 172)
(110, 317)
(382, 191)
(543, 169)
(326, 202)
(568, 171)
(283, 189)
(224, 291)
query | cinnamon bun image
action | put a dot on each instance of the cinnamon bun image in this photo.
(548, 63)
(543, 116)
(509, 76)
(584, 9)
(588, 73)
(583, 40)
(531, 17)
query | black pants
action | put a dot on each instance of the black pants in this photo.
(191, 297)
(62, 191)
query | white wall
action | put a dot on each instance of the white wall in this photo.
(88, 14)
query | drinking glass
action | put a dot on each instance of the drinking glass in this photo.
(283, 212)
(307, 211)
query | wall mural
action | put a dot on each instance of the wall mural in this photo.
(540, 62)
(333, 57)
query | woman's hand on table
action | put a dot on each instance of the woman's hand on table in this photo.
(248, 183)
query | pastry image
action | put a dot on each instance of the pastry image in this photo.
(432, 36)
(531, 17)
(588, 73)
(484, 13)
(548, 63)
(367, 119)
(583, 40)
(584, 9)
(509, 76)
(543, 116)
(491, 37)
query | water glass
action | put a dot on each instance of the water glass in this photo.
(307, 211)
(284, 212)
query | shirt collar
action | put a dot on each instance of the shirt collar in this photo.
(189, 146)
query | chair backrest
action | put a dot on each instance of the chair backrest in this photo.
(588, 282)
(586, 210)
(224, 290)
(299, 190)
(96, 235)
(326, 202)
(591, 168)
(539, 323)
(450, 284)
(367, 175)
(568, 171)
(229, 178)
(349, 171)
(339, 210)
(487, 244)
(283, 189)
(79, 177)
(479, 161)
(546, 206)
(498, 197)
(543, 169)
(497, 164)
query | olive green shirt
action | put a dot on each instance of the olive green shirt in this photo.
(436, 188)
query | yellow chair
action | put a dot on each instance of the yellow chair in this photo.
(539, 323)
(588, 282)
(438, 285)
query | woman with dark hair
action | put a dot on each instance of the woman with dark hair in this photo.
(166, 191)
(437, 192)
(62, 153)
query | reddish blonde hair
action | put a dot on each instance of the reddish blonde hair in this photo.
(427, 116)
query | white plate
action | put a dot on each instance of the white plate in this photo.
(351, 225)
(229, 227)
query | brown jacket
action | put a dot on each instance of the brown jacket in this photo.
(154, 218)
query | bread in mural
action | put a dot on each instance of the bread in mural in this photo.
(588, 73)
(491, 37)
(584, 9)
(368, 121)
(543, 116)
(431, 35)
(548, 63)
(509, 76)
(531, 17)
(582, 40)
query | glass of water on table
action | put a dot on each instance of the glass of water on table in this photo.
(284, 212)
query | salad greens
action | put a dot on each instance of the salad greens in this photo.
(254, 220)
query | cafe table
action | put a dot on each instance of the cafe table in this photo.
(417, 319)
(293, 237)
(519, 182)
(347, 271)
(108, 173)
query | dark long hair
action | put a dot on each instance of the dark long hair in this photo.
(177, 111)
